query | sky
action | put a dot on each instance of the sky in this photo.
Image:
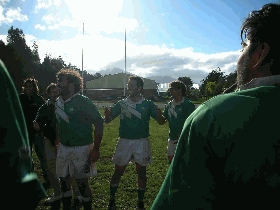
(174, 38)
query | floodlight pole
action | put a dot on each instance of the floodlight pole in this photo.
(124, 63)
(83, 63)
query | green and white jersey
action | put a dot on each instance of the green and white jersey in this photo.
(134, 117)
(228, 155)
(75, 125)
(176, 114)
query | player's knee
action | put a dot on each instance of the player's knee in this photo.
(87, 193)
(118, 173)
(64, 185)
(141, 174)
(142, 177)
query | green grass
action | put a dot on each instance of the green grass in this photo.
(126, 196)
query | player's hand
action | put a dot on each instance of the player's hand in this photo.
(36, 125)
(107, 111)
(160, 118)
(159, 113)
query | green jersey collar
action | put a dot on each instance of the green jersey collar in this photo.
(138, 102)
(178, 103)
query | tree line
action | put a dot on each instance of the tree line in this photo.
(23, 61)
(214, 84)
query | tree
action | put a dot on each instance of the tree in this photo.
(35, 52)
(230, 79)
(188, 82)
(211, 88)
(194, 94)
(2, 50)
(15, 36)
(23, 61)
(18, 58)
(216, 76)
(97, 75)
(47, 73)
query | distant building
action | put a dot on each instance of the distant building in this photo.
(163, 87)
(111, 87)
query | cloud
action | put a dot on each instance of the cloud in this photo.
(53, 27)
(4, 1)
(45, 4)
(101, 53)
(40, 27)
(9, 15)
(3, 38)
(147, 60)
(98, 16)
(49, 19)
(173, 63)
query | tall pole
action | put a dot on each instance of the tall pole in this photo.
(124, 63)
(83, 63)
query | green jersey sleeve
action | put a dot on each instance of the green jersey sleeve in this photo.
(115, 110)
(182, 182)
(153, 110)
(14, 151)
(92, 110)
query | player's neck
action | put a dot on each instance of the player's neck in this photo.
(135, 98)
(178, 98)
(66, 96)
(52, 101)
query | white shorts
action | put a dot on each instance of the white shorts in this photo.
(137, 150)
(171, 147)
(73, 161)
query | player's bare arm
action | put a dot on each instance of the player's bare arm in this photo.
(160, 118)
(98, 133)
(107, 113)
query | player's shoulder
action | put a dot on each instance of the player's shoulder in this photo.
(124, 100)
(187, 101)
(120, 102)
(82, 98)
(146, 101)
(45, 104)
(83, 101)
(22, 95)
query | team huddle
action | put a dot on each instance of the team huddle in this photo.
(65, 122)
(222, 155)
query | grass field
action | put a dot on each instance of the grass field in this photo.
(126, 196)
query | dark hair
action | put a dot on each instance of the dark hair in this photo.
(261, 27)
(34, 83)
(48, 89)
(180, 86)
(72, 76)
(139, 80)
